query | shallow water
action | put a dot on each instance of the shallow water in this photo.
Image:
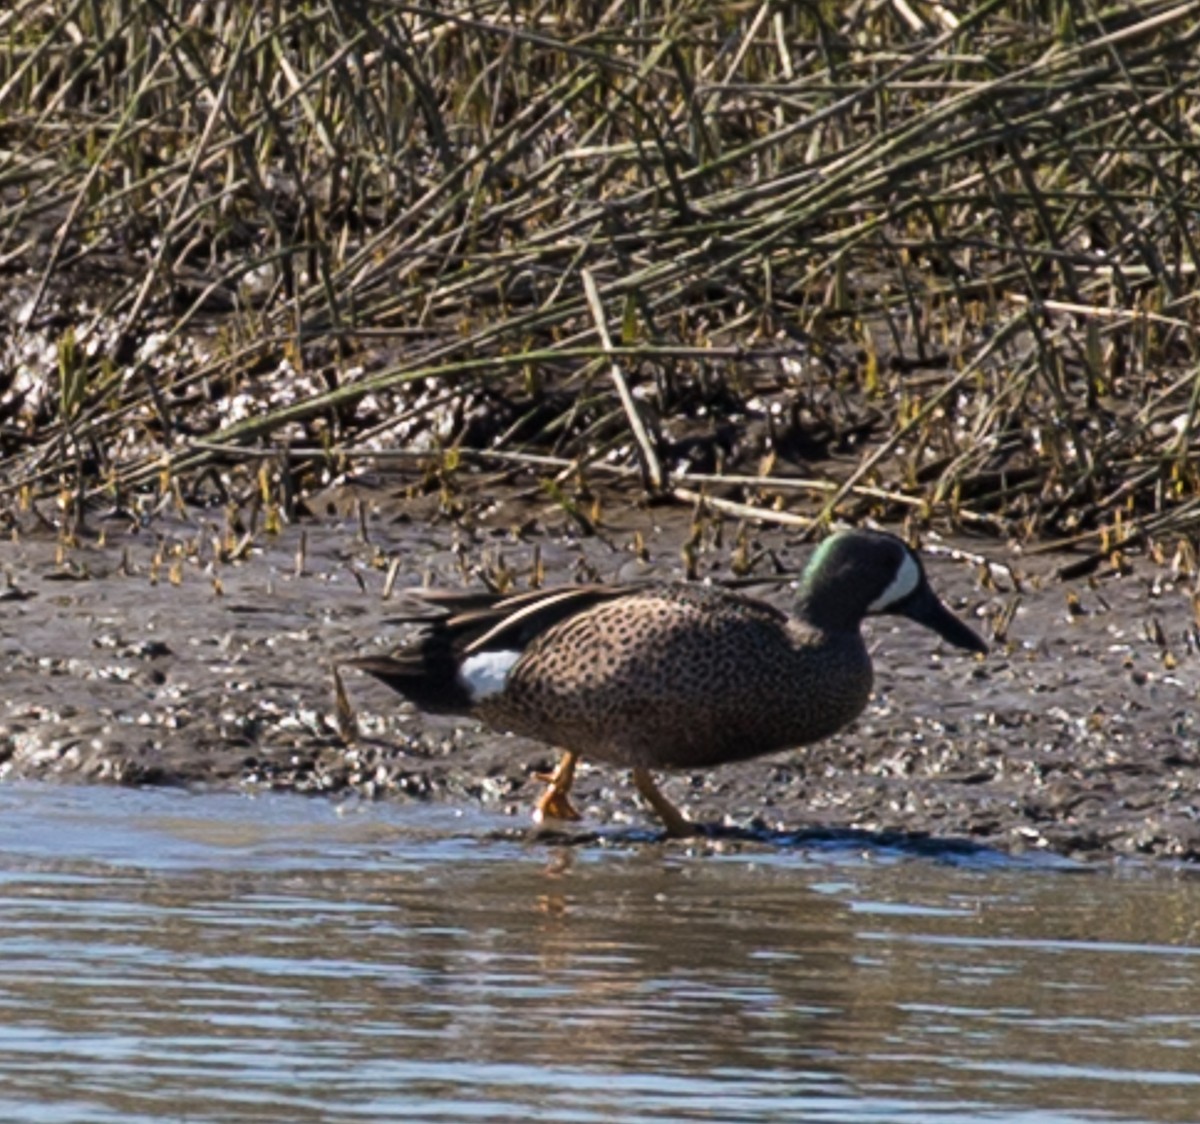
(172, 956)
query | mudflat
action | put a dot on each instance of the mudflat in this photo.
(143, 655)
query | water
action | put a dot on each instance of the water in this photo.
(175, 957)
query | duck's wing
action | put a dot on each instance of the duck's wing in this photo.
(426, 671)
(512, 624)
(482, 621)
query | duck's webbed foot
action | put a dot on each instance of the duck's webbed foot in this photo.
(555, 802)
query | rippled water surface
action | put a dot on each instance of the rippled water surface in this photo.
(166, 956)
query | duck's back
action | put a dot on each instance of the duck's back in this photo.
(682, 676)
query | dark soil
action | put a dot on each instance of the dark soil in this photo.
(142, 658)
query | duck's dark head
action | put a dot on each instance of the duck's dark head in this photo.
(856, 574)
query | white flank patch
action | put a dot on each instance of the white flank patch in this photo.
(487, 673)
(907, 578)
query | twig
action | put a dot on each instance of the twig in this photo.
(744, 510)
(649, 458)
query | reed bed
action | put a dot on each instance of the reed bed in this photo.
(893, 258)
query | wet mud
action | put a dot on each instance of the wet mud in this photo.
(144, 653)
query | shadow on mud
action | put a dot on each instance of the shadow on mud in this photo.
(826, 841)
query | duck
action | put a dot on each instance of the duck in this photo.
(659, 676)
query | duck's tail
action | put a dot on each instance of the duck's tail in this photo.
(425, 672)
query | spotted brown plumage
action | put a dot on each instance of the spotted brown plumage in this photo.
(669, 676)
(681, 677)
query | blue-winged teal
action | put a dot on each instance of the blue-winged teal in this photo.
(668, 676)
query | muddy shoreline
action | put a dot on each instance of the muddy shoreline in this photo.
(140, 655)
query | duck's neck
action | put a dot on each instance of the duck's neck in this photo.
(831, 595)
(826, 613)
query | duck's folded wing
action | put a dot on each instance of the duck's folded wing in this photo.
(427, 670)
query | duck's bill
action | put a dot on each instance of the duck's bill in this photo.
(925, 608)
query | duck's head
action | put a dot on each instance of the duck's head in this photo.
(856, 574)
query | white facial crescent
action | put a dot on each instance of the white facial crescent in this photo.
(907, 578)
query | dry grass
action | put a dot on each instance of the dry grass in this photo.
(926, 260)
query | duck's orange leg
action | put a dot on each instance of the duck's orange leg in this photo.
(555, 803)
(677, 824)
